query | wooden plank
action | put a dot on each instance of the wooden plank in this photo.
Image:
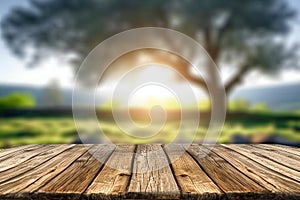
(192, 180)
(19, 177)
(283, 186)
(31, 164)
(234, 183)
(257, 156)
(50, 169)
(287, 159)
(281, 150)
(13, 150)
(228, 172)
(12, 160)
(113, 179)
(149, 178)
(293, 150)
(74, 180)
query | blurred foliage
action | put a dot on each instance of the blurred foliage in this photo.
(53, 95)
(204, 105)
(17, 100)
(247, 34)
(257, 128)
(238, 105)
(20, 131)
(259, 108)
(166, 103)
(297, 112)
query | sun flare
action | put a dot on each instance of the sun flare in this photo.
(148, 78)
(154, 95)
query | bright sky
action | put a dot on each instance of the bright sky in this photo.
(14, 71)
(149, 86)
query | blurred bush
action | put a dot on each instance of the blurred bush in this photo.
(238, 105)
(17, 100)
(259, 108)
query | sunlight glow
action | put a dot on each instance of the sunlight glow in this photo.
(152, 95)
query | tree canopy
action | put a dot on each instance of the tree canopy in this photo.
(242, 33)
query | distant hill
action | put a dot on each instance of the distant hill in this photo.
(285, 97)
(39, 94)
(278, 98)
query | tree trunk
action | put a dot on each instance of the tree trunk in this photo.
(237, 78)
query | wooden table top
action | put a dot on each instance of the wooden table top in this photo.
(227, 172)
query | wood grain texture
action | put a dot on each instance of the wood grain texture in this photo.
(14, 178)
(192, 180)
(44, 173)
(16, 158)
(292, 150)
(150, 171)
(75, 179)
(276, 182)
(14, 150)
(152, 176)
(115, 176)
(285, 158)
(229, 179)
(260, 157)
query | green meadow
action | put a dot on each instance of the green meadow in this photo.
(237, 129)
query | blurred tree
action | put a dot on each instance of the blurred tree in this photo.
(259, 108)
(17, 100)
(244, 34)
(238, 105)
(53, 95)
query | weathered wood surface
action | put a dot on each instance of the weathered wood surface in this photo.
(223, 172)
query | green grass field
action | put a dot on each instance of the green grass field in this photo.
(20, 131)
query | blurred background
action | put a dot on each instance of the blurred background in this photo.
(254, 44)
